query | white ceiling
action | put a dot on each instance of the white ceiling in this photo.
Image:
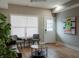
(48, 4)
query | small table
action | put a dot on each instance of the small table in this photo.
(38, 51)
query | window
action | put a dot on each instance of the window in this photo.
(24, 26)
(49, 25)
(18, 31)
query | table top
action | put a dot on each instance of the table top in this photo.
(34, 46)
(38, 46)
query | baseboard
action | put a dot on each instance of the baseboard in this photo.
(72, 47)
(69, 46)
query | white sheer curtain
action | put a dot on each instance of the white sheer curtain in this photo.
(24, 26)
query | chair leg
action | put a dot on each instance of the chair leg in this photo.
(46, 52)
(24, 44)
(17, 45)
(21, 45)
(19, 55)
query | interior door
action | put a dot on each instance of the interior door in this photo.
(49, 35)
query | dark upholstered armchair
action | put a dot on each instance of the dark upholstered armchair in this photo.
(35, 39)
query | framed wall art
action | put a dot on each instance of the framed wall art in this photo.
(70, 25)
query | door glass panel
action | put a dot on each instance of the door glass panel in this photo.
(49, 25)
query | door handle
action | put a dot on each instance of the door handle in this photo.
(45, 29)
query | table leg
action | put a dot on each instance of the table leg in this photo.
(24, 43)
(17, 45)
(46, 52)
(21, 45)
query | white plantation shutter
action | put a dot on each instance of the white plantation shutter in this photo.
(23, 26)
(20, 32)
(32, 26)
(18, 21)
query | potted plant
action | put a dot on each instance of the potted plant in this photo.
(5, 51)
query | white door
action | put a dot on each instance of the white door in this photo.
(49, 34)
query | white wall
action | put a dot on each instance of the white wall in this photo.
(72, 40)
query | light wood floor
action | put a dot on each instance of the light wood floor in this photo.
(54, 51)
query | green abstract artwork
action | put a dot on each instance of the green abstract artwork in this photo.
(70, 25)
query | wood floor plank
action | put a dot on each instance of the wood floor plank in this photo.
(54, 51)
